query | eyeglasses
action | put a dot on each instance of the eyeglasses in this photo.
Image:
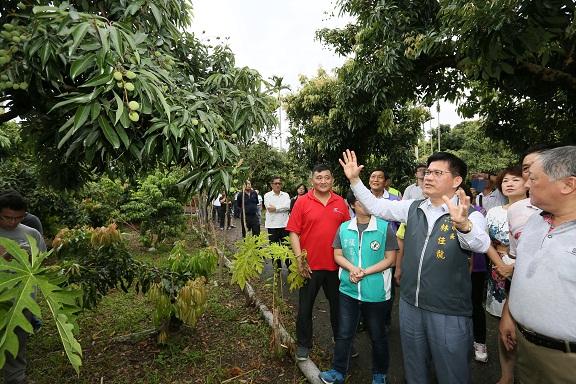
(9, 218)
(276, 183)
(437, 173)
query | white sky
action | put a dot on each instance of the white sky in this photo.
(277, 39)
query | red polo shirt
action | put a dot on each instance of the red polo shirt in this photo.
(317, 225)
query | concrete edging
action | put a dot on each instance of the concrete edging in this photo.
(307, 367)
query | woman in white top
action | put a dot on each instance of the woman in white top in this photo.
(511, 184)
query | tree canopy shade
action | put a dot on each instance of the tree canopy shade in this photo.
(512, 62)
(117, 85)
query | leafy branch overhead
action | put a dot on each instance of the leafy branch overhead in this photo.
(511, 62)
(122, 85)
(17, 284)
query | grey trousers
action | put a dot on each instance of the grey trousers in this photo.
(429, 337)
(15, 367)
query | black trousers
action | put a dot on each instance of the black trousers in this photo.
(478, 312)
(252, 224)
(222, 214)
(276, 235)
(330, 283)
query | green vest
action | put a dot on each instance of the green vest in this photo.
(367, 251)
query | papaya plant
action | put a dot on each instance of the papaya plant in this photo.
(179, 291)
(17, 282)
(248, 263)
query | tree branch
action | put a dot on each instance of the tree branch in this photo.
(561, 79)
(8, 115)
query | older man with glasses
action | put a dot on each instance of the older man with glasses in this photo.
(539, 313)
(435, 294)
(277, 204)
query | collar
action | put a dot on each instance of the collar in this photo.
(311, 195)
(372, 226)
(428, 204)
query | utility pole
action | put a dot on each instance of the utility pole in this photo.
(431, 134)
(438, 110)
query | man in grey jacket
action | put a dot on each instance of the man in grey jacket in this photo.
(435, 294)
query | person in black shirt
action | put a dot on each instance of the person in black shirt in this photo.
(249, 206)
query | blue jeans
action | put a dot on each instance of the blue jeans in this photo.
(373, 316)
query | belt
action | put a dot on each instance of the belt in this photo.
(548, 342)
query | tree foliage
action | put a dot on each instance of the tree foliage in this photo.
(117, 85)
(265, 162)
(512, 62)
(95, 260)
(328, 115)
(158, 206)
(468, 141)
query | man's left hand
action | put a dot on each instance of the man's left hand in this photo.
(459, 212)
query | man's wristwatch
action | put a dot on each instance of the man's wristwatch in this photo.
(468, 229)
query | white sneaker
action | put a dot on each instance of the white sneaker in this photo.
(480, 352)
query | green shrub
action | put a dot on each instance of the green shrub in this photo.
(179, 291)
(158, 206)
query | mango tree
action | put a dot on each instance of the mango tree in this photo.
(120, 86)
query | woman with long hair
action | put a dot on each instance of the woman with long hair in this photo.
(301, 190)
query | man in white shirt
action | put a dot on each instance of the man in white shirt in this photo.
(539, 314)
(277, 204)
(490, 197)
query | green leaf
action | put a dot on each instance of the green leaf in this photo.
(94, 111)
(81, 116)
(120, 108)
(45, 9)
(45, 53)
(116, 42)
(109, 132)
(507, 68)
(17, 285)
(98, 80)
(103, 32)
(123, 135)
(163, 102)
(78, 33)
(157, 14)
(81, 65)
(168, 153)
(150, 144)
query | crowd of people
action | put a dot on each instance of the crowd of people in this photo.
(464, 249)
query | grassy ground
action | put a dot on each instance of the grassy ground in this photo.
(230, 344)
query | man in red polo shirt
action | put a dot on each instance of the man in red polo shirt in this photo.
(313, 223)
